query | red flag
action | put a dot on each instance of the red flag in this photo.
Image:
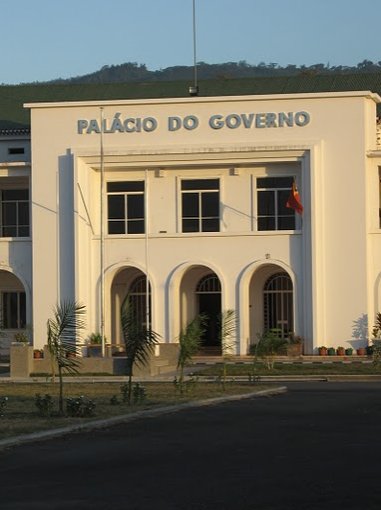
(294, 201)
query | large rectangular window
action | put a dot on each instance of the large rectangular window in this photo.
(200, 201)
(125, 203)
(13, 310)
(272, 196)
(14, 213)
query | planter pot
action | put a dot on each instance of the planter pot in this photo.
(331, 351)
(361, 351)
(349, 352)
(294, 349)
(94, 351)
(323, 351)
(340, 351)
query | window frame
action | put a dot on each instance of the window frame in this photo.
(20, 309)
(276, 216)
(278, 303)
(17, 202)
(201, 193)
(127, 221)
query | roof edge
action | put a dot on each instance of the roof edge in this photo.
(208, 99)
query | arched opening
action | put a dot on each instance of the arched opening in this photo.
(208, 292)
(278, 304)
(13, 312)
(129, 282)
(271, 301)
(200, 293)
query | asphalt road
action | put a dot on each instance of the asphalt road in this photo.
(316, 447)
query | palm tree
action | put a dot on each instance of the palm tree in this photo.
(139, 340)
(189, 344)
(63, 330)
(227, 322)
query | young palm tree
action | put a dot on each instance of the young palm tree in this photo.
(63, 330)
(227, 323)
(139, 340)
(189, 344)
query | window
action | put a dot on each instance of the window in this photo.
(16, 150)
(125, 202)
(200, 200)
(14, 220)
(137, 296)
(272, 196)
(13, 308)
(278, 304)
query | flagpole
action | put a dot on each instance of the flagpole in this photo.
(102, 283)
(146, 247)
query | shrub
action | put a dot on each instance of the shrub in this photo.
(44, 404)
(79, 407)
(3, 405)
(139, 394)
(270, 344)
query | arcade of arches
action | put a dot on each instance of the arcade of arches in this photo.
(270, 292)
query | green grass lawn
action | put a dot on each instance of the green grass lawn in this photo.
(259, 369)
(21, 416)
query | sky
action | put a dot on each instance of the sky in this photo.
(48, 39)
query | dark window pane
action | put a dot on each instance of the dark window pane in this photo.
(274, 182)
(9, 213)
(190, 205)
(190, 225)
(197, 184)
(135, 227)
(116, 227)
(286, 223)
(125, 186)
(22, 302)
(116, 207)
(266, 203)
(10, 231)
(23, 213)
(282, 201)
(266, 223)
(211, 225)
(23, 232)
(210, 204)
(15, 194)
(10, 310)
(135, 206)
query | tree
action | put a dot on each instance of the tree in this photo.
(139, 340)
(189, 344)
(227, 331)
(270, 344)
(63, 331)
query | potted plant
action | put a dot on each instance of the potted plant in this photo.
(331, 351)
(340, 351)
(361, 351)
(94, 345)
(323, 351)
(295, 345)
(21, 338)
(38, 353)
(348, 351)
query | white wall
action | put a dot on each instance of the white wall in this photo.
(327, 259)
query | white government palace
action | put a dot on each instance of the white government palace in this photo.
(97, 193)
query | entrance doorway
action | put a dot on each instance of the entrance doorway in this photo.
(208, 294)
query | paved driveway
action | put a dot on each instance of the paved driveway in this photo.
(318, 446)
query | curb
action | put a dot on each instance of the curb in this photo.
(126, 418)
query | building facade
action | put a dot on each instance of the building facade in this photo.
(192, 193)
